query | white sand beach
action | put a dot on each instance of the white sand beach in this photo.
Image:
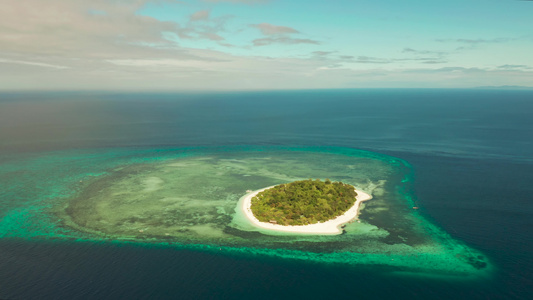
(328, 227)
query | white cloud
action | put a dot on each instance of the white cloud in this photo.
(200, 16)
(283, 40)
(69, 29)
(279, 35)
(269, 29)
(32, 63)
(107, 44)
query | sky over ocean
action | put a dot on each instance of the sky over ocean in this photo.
(264, 44)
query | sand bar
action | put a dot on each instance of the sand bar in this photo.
(328, 227)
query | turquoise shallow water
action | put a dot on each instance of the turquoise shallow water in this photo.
(188, 198)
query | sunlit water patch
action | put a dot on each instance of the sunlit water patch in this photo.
(190, 198)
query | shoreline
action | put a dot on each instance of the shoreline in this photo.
(329, 227)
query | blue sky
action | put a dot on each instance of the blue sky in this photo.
(264, 44)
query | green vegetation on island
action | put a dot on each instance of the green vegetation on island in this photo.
(303, 202)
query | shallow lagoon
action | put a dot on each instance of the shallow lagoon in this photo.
(188, 197)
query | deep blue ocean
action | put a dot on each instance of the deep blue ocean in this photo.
(476, 143)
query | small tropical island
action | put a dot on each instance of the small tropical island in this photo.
(305, 206)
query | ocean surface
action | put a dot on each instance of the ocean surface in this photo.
(470, 153)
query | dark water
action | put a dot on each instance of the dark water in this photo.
(473, 141)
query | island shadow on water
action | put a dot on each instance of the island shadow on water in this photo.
(190, 198)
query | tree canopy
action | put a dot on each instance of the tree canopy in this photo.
(303, 202)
